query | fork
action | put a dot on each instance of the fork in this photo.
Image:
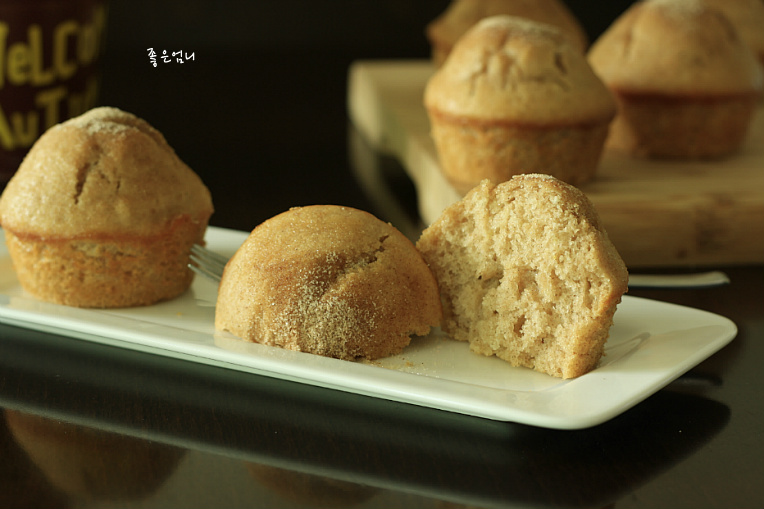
(210, 265)
(207, 263)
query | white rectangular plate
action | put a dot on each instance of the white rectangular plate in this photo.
(651, 343)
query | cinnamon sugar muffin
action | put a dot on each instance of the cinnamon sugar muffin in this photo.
(328, 280)
(527, 273)
(461, 15)
(102, 213)
(516, 97)
(687, 85)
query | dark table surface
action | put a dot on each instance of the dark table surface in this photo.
(260, 115)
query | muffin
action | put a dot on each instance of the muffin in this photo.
(461, 15)
(516, 97)
(687, 85)
(328, 280)
(102, 213)
(527, 273)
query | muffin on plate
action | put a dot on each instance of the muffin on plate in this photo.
(515, 96)
(328, 280)
(102, 213)
(461, 15)
(687, 84)
(527, 273)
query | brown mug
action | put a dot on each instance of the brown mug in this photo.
(50, 53)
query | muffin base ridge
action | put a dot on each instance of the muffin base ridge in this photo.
(107, 271)
(470, 150)
(669, 127)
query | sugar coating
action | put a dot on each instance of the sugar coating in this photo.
(328, 280)
(106, 172)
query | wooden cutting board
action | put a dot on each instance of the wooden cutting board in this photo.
(657, 213)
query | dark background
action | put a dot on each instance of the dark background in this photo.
(246, 109)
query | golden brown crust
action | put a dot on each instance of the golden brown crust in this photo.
(102, 213)
(328, 280)
(472, 151)
(105, 172)
(461, 15)
(671, 127)
(685, 81)
(106, 271)
(677, 47)
(515, 97)
(527, 273)
(511, 69)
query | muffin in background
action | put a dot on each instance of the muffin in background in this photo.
(102, 213)
(515, 96)
(748, 18)
(687, 84)
(461, 15)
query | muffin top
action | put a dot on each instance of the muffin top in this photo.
(510, 69)
(461, 15)
(329, 280)
(106, 172)
(675, 47)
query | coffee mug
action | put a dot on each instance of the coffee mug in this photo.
(50, 55)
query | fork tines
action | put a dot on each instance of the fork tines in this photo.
(207, 263)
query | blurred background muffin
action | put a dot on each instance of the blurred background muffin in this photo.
(515, 96)
(686, 82)
(461, 15)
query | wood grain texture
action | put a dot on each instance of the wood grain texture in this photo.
(658, 213)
